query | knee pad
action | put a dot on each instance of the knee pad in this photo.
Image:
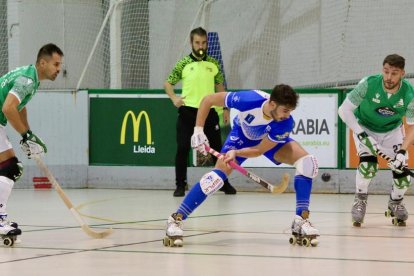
(11, 168)
(401, 180)
(368, 166)
(307, 166)
(211, 182)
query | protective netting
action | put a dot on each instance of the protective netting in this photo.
(135, 43)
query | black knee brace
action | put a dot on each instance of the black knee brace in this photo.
(11, 168)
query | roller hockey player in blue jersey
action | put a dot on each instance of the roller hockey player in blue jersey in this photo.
(262, 127)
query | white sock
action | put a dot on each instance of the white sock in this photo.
(361, 183)
(6, 186)
(397, 193)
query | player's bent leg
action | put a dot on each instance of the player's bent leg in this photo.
(209, 184)
(10, 171)
(306, 170)
(396, 208)
(366, 171)
(303, 232)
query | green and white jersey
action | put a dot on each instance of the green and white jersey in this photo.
(22, 82)
(378, 110)
(199, 78)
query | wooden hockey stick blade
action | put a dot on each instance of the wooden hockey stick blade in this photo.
(279, 188)
(45, 170)
(388, 159)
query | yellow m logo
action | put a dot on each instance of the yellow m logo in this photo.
(136, 122)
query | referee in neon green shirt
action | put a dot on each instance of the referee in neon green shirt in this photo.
(201, 76)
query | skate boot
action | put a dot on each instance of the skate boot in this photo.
(8, 234)
(303, 233)
(174, 233)
(396, 210)
(3, 217)
(358, 209)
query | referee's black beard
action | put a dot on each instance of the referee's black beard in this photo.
(200, 53)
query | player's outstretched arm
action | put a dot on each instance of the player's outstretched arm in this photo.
(216, 99)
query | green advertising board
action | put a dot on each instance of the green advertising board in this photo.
(130, 130)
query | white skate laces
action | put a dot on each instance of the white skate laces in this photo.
(4, 220)
(360, 203)
(302, 226)
(398, 209)
(174, 232)
(175, 225)
(5, 227)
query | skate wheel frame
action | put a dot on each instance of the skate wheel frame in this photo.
(388, 213)
(357, 224)
(304, 241)
(395, 221)
(172, 242)
(8, 240)
(398, 222)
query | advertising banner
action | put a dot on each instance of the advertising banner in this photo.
(353, 159)
(131, 130)
(316, 121)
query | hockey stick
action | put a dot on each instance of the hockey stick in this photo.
(68, 203)
(275, 189)
(389, 159)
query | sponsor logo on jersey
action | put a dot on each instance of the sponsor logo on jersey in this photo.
(136, 122)
(235, 99)
(376, 99)
(249, 118)
(399, 104)
(385, 111)
(282, 136)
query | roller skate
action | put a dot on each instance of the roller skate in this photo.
(358, 209)
(8, 234)
(174, 233)
(397, 211)
(303, 233)
(3, 217)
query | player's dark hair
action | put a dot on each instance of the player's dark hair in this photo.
(395, 60)
(48, 50)
(283, 94)
(197, 31)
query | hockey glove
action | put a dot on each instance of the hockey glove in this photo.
(32, 145)
(198, 140)
(399, 161)
(369, 142)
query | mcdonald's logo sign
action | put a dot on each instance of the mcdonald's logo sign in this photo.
(136, 123)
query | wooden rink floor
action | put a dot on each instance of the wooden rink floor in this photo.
(243, 234)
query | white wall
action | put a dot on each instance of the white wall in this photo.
(296, 42)
(60, 119)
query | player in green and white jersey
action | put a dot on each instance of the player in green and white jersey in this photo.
(374, 110)
(16, 89)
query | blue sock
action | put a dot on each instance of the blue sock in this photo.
(195, 197)
(303, 187)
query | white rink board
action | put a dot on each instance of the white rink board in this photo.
(316, 129)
